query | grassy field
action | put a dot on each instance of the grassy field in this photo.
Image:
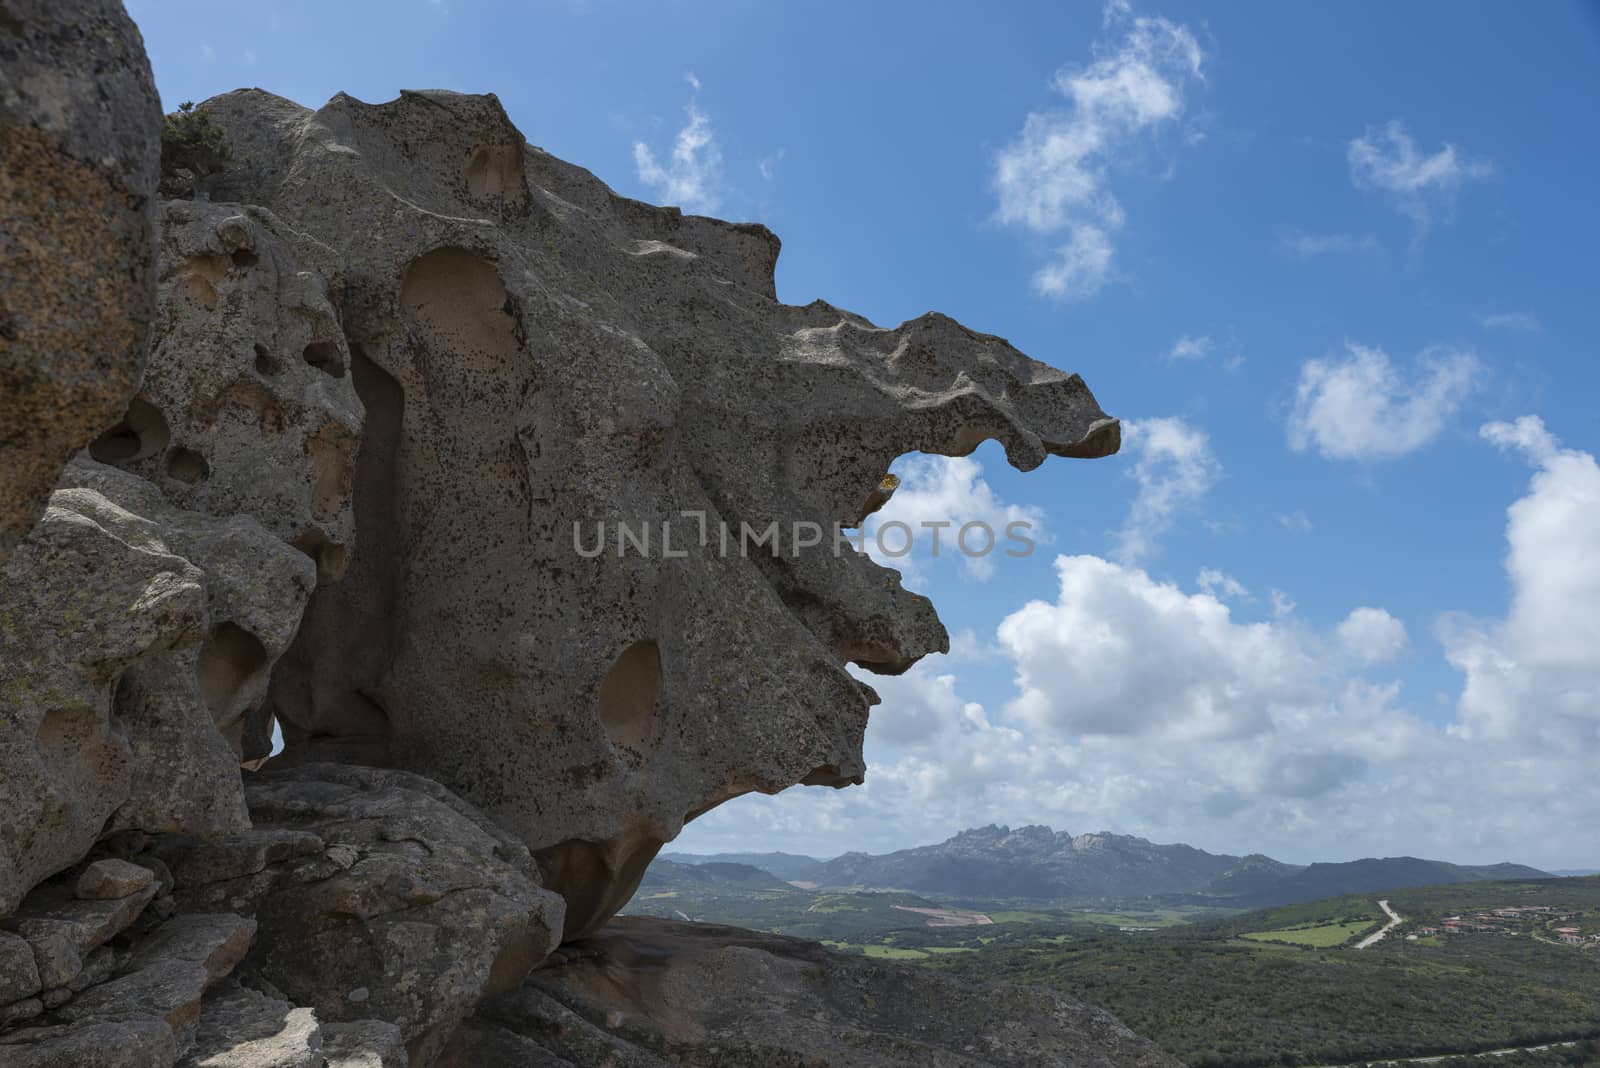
(1321, 935)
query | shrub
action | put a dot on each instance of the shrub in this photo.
(193, 148)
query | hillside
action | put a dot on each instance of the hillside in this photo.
(1036, 864)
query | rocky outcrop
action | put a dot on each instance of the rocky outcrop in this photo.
(137, 638)
(648, 993)
(79, 150)
(514, 503)
(543, 362)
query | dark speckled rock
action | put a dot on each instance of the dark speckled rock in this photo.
(80, 128)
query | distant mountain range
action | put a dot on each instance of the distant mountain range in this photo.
(992, 863)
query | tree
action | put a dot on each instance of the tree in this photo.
(193, 148)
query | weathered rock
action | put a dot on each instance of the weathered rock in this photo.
(146, 1043)
(418, 901)
(19, 975)
(247, 405)
(111, 878)
(63, 930)
(710, 996)
(215, 941)
(243, 1028)
(535, 355)
(182, 615)
(184, 712)
(18, 1011)
(363, 1044)
(97, 968)
(167, 990)
(81, 600)
(79, 149)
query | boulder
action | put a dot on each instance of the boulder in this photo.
(133, 1043)
(411, 909)
(646, 992)
(542, 363)
(135, 638)
(111, 878)
(80, 127)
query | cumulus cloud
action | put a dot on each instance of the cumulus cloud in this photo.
(1190, 347)
(691, 175)
(1361, 407)
(1421, 186)
(1055, 178)
(938, 495)
(1174, 468)
(1535, 675)
(1372, 635)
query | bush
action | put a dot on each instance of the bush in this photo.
(193, 148)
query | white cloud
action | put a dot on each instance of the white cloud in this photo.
(1143, 708)
(1055, 177)
(768, 165)
(694, 82)
(1360, 407)
(692, 176)
(1221, 585)
(1298, 522)
(948, 490)
(1174, 468)
(1387, 159)
(1308, 245)
(1373, 636)
(1509, 321)
(1536, 674)
(1080, 267)
(1200, 348)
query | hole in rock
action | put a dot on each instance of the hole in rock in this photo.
(142, 432)
(243, 258)
(231, 661)
(628, 696)
(268, 364)
(324, 356)
(186, 465)
(495, 171)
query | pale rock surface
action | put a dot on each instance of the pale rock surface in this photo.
(535, 355)
(79, 150)
(243, 1028)
(247, 405)
(113, 878)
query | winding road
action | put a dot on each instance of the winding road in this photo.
(1377, 936)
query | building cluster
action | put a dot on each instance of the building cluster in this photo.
(1512, 918)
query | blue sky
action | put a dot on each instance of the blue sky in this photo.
(1321, 259)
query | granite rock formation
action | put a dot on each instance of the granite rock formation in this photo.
(543, 362)
(512, 502)
(79, 149)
